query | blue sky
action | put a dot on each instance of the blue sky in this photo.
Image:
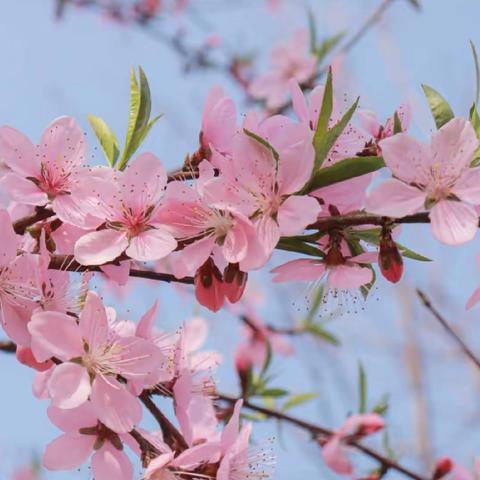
(81, 65)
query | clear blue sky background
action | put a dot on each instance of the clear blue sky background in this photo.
(81, 65)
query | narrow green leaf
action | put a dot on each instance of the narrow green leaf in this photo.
(477, 73)
(441, 110)
(273, 392)
(362, 389)
(299, 399)
(318, 331)
(328, 45)
(406, 252)
(397, 124)
(268, 361)
(344, 170)
(106, 137)
(140, 109)
(293, 245)
(323, 119)
(324, 143)
(263, 142)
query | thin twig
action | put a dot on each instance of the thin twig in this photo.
(465, 348)
(315, 430)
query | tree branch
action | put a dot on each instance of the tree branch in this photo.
(465, 348)
(21, 225)
(315, 430)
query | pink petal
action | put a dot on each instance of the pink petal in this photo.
(298, 101)
(114, 405)
(192, 257)
(139, 357)
(158, 464)
(63, 144)
(15, 322)
(69, 211)
(100, 247)
(93, 322)
(303, 269)
(151, 245)
(394, 198)
(236, 244)
(467, 187)
(335, 456)
(73, 419)
(346, 277)
(453, 146)
(453, 222)
(147, 322)
(23, 190)
(120, 274)
(296, 213)
(55, 334)
(8, 239)
(143, 181)
(108, 463)
(69, 385)
(268, 233)
(407, 158)
(68, 451)
(203, 453)
(230, 431)
(18, 152)
(195, 333)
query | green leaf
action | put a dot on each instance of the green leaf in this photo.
(323, 119)
(263, 142)
(324, 143)
(381, 407)
(318, 331)
(397, 124)
(299, 399)
(268, 361)
(106, 137)
(328, 45)
(362, 389)
(139, 116)
(475, 121)
(406, 252)
(272, 392)
(441, 110)
(344, 170)
(477, 73)
(294, 245)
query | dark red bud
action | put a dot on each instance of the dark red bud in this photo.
(389, 258)
(234, 283)
(443, 466)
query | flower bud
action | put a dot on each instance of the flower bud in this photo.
(443, 466)
(234, 282)
(209, 286)
(389, 258)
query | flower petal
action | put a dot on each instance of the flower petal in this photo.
(68, 451)
(151, 245)
(69, 385)
(303, 269)
(108, 463)
(100, 247)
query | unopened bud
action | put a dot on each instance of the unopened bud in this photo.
(443, 466)
(389, 258)
(234, 282)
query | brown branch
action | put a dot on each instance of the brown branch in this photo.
(7, 346)
(454, 335)
(172, 436)
(315, 430)
(21, 225)
(68, 263)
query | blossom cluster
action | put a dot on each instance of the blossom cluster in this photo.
(252, 187)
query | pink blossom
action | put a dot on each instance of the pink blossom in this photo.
(343, 273)
(18, 289)
(378, 131)
(194, 220)
(253, 350)
(265, 188)
(219, 123)
(93, 354)
(47, 173)
(335, 450)
(128, 204)
(289, 60)
(436, 177)
(83, 435)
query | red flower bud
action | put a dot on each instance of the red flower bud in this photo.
(209, 286)
(234, 282)
(443, 466)
(389, 258)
